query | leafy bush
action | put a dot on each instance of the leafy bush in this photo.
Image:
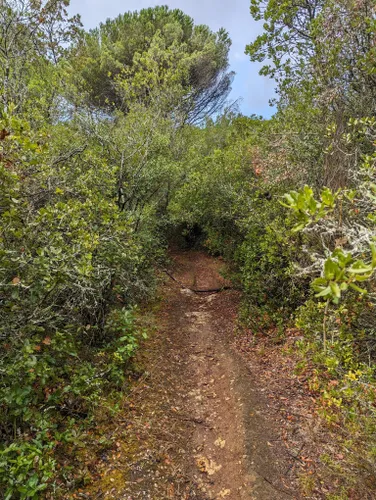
(266, 259)
(67, 256)
(27, 469)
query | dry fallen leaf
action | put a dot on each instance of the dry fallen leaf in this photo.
(171, 491)
(220, 442)
(224, 493)
(3, 134)
(208, 466)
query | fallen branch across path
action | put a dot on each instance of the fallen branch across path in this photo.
(194, 290)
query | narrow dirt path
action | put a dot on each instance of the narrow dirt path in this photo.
(217, 401)
(193, 427)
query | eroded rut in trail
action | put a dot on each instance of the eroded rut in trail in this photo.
(194, 427)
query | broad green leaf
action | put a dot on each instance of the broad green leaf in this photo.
(324, 293)
(335, 289)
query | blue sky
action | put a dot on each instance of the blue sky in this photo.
(233, 15)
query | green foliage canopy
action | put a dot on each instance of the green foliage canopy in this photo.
(122, 49)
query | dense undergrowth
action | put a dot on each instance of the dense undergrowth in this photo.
(112, 141)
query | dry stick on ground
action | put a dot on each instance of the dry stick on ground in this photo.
(282, 490)
(184, 287)
(324, 323)
(296, 457)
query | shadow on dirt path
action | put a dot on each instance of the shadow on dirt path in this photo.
(193, 427)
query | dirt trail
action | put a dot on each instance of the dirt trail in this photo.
(194, 427)
(218, 401)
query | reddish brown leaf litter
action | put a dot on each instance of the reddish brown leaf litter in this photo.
(199, 423)
(293, 406)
